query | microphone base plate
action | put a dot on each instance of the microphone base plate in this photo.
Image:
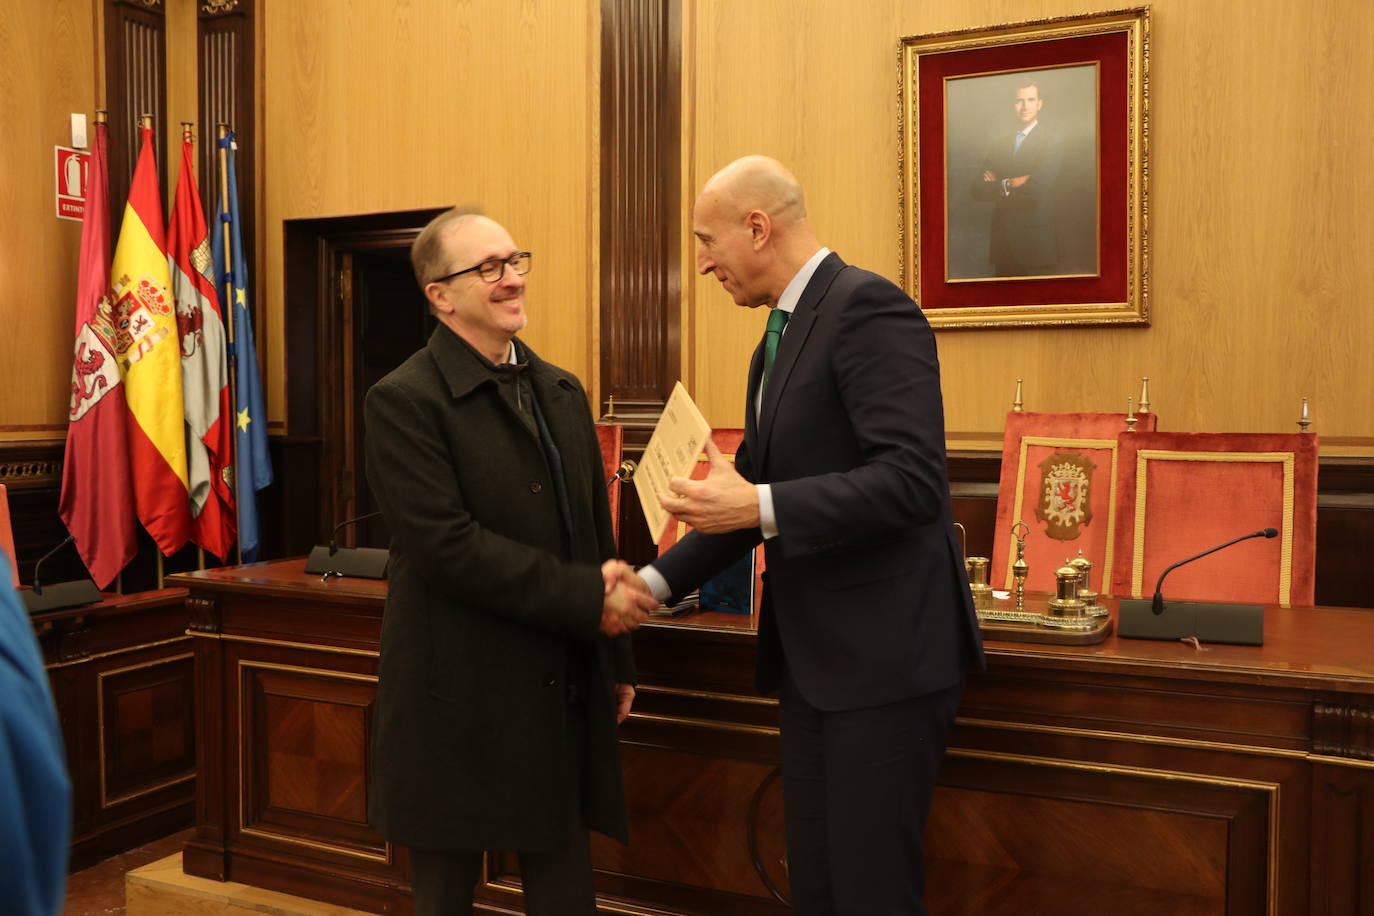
(1210, 622)
(354, 562)
(60, 595)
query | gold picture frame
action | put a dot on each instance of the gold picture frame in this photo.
(1024, 172)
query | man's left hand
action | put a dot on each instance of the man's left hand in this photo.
(724, 501)
(624, 698)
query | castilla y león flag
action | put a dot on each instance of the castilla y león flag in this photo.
(149, 353)
(97, 499)
(204, 368)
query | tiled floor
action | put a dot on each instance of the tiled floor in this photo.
(99, 890)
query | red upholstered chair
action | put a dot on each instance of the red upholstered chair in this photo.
(611, 438)
(1182, 493)
(1058, 476)
(728, 441)
(7, 535)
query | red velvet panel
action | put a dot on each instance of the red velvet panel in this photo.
(7, 534)
(728, 441)
(1044, 553)
(1194, 504)
(611, 438)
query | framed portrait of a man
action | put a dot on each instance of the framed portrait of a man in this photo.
(1024, 167)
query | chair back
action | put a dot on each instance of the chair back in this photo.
(1058, 476)
(1183, 493)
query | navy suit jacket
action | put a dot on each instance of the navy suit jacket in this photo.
(865, 595)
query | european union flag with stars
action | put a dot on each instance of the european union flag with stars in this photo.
(253, 466)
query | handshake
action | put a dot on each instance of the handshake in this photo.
(627, 602)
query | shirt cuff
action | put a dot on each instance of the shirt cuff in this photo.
(768, 521)
(658, 586)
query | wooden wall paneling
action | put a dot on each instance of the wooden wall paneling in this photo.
(511, 127)
(226, 67)
(136, 84)
(640, 213)
(48, 59)
(1257, 292)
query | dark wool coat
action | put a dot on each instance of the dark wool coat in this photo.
(484, 615)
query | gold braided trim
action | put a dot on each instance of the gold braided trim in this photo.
(1285, 534)
(1054, 442)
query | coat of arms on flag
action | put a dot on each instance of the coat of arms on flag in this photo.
(1065, 493)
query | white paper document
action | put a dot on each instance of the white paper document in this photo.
(672, 452)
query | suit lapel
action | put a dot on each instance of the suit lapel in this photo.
(793, 340)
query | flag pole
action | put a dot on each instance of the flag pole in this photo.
(145, 121)
(187, 137)
(227, 285)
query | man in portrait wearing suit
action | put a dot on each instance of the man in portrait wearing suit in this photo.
(1019, 176)
(505, 665)
(867, 625)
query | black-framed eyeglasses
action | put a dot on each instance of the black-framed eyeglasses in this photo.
(493, 269)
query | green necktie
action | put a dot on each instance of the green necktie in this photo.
(777, 320)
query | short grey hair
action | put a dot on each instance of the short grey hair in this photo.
(427, 251)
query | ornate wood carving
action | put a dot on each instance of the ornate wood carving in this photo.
(640, 212)
(204, 613)
(1343, 726)
(135, 85)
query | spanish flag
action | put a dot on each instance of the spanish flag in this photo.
(149, 354)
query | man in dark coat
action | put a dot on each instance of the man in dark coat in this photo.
(505, 662)
(867, 624)
(1020, 174)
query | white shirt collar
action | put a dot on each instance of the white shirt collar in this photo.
(1029, 127)
(792, 294)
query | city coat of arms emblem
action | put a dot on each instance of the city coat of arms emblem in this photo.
(1065, 494)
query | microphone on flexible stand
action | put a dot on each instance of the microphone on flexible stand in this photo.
(1242, 624)
(624, 472)
(358, 562)
(1157, 604)
(63, 594)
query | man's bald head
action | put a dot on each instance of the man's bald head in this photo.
(751, 229)
(759, 183)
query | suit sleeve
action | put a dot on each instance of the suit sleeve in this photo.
(883, 359)
(410, 470)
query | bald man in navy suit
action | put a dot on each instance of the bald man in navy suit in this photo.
(867, 626)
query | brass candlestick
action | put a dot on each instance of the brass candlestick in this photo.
(1020, 569)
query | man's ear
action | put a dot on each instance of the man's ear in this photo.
(438, 298)
(760, 227)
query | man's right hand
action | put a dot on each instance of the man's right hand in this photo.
(627, 601)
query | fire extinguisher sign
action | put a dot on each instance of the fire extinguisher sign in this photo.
(72, 166)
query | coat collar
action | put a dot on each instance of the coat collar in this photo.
(464, 371)
(798, 329)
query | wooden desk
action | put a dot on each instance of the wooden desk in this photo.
(1128, 777)
(122, 676)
